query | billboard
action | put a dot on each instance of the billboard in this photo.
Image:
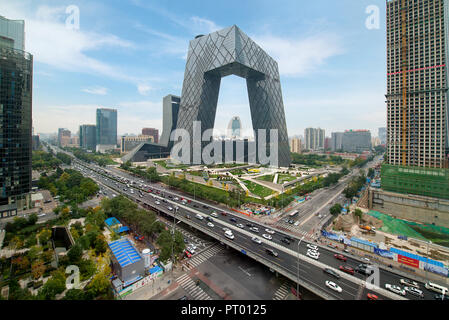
(408, 261)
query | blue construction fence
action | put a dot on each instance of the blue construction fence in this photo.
(394, 254)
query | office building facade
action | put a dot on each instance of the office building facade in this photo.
(128, 143)
(16, 92)
(88, 137)
(234, 128)
(356, 141)
(417, 115)
(64, 137)
(382, 135)
(151, 132)
(106, 129)
(336, 141)
(314, 139)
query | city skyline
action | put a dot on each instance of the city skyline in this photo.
(134, 76)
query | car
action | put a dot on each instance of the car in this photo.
(372, 296)
(241, 226)
(214, 214)
(311, 246)
(256, 240)
(224, 213)
(291, 221)
(157, 202)
(414, 291)
(209, 219)
(267, 236)
(192, 245)
(228, 234)
(288, 238)
(176, 199)
(250, 225)
(331, 272)
(313, 254)
(170, 208)
(233, 220)
(333, 286)
(346, 250)
(200, 217)
(188, 217)
(191, 250)
(347, 269)
(195, 206)
(210, 224)
(441, 297)
(205, 207)
(396, 289)
(365, 270)
(187, 254)
(183, 298)
(333, 246)
(365, 259)
(269, 231)
(409, 283)
(254, 229)
(226, 229)
(285, 240)
(271, 252)
(340, 257)
(185, 240)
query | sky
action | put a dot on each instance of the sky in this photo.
(129, 54)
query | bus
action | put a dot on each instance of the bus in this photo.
(437, 288)
(293, 214)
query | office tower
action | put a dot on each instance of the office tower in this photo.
(314, 138)
(88, 137)
(356, 141)
(151, 132)
(106, 129)
(417, 115)
(383, 135)
(336, 141)
(35, 142)
(16, 91)
(128, 143)
(64, 136)
(234, 128)
(295, 145)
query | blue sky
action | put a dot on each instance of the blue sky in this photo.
(129, 54)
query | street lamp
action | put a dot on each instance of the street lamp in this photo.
(297, 281)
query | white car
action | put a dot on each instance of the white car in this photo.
(313, 255)
(241, 226)
(191, 250)
(170, 208)
(254, 229)
(365, 259)
(200, 217)
(214, 214)
(157, 202)
(176, 199)
(256, 240)
(409, 283)
(414, 291)
(191, 245)
(269, 231)
(333, 286)
(210, 224)
(228, 234)
(226, 229)
(267, 236)
(395, 289)
(311, 246)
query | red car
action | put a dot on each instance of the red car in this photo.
(188, 254)
(347, 269)
(371, 296)
(224, 213)
(340, 257)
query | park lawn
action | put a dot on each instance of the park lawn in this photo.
(285, 177)
(268, 178)
(257, 189)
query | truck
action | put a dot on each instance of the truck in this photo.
(367, 228)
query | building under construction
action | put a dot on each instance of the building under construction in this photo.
(417, 97)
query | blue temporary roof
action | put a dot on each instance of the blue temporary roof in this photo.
(123, 229)
(364, 242)
(124, 252)
(111, 221)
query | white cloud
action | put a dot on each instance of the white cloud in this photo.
(201, 25)
(96, 90)
(144, 89)
(298, 57)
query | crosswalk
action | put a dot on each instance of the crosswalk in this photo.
(192, 289)
(298, 232)
(281, 292)
(198, 259)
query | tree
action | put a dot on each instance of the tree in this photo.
(335, 209)
(44, 236)
(37, 269)
(32, 219)
(74, 294)
(358, 213)
(100, 245)
(75, 253)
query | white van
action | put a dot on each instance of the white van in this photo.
(436, 288)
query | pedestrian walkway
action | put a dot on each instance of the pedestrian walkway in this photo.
(198, 241)
(297, 231)
(198, 259)
(281, 293)
(192, 289)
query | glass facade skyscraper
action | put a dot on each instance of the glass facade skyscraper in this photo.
(88, 137)
(106, 131)
(12, 33)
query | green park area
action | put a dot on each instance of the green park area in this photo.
(267, 178)
(286, 178)
(436, 234)
(257, 189)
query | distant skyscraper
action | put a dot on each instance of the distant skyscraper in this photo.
(64, 136)
(417, 94)
(16, 91)
(151, 132)
(12, 33)
(314, 138)
(106, 129)
(336, 141)
(88, 137)
(235, 128)
(383, 135)
(356, 141)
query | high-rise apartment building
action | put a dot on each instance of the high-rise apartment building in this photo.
(314, 138)
(88, 137)
(64, 137)
(151, 132)
(16, 91)
(295, 145)
(336, 141)
(356, 141)
(106, 129)
(383, 135)
(417, 115)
